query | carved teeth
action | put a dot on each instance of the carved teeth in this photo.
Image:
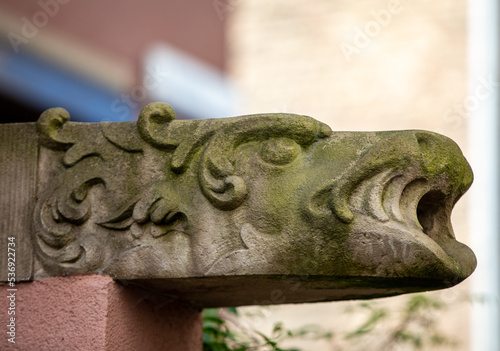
(393, 189)
(368, 197)
(418, 203)
(379, 199)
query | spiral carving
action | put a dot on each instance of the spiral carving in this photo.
(220, 138)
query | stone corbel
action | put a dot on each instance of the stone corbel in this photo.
(271, 208)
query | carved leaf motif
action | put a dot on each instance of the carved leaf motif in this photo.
(63, 212)
(155, 212)
(50, 129)
(54, 133)
(121, 220)
(123, 135)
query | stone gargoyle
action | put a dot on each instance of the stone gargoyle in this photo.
(271, 208)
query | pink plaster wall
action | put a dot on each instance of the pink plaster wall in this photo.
(95, 313)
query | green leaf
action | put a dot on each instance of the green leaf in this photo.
(232, 310)
(368, 326)
(215, 320)
(215, 346)
(408, 336)
(420, 302)
(210, 312)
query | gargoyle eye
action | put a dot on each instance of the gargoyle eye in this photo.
(279, 151)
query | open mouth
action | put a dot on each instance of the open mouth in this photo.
(398, 199)
(418, 203)
(433, 212)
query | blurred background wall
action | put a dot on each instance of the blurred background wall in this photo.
(364, 65)
(98, 59)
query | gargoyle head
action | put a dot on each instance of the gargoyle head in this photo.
(253, 205)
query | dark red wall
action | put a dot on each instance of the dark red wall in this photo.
(127, 27)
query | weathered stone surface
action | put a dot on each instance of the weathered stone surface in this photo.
(259, 209)
(18, 160)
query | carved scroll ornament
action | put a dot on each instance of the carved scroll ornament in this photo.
(246, 205)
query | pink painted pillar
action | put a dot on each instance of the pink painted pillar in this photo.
(94, 312)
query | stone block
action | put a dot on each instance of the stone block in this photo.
(256, 209)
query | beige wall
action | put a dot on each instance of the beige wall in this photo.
(364, 65)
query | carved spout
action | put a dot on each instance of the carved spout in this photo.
(224, 212)
(376, 205)
(399, 197)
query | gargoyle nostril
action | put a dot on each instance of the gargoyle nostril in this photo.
(431, 213)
